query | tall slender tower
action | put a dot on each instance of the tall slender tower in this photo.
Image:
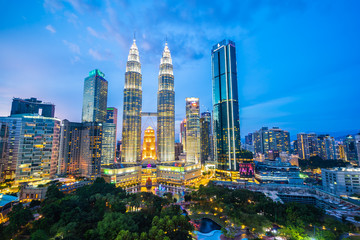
(226, 120)
(166, 109)
(192, 130)
(131, 133)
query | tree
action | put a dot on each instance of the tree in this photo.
(113, 223)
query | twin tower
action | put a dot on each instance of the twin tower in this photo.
(131, 132)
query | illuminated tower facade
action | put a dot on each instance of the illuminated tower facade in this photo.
(149, 151)
(226, 122)
(166, 109)
(131, 131)
(192, 130)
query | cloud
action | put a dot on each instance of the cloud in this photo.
(50, 28)
(95, 33)
(100, 56)
(72, 46)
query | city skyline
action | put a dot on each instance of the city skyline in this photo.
(69, 44)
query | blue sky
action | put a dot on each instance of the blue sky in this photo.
(298, 61)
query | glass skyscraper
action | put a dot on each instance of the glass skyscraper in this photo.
(95, 97)
(109, 137)
(166, 109)
(131, 132)
(226, 123)
(192, 130)
(205, 136)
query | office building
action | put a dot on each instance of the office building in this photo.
(70, 148)
(357, 141)
(131, 129)
(32, 147)
(350, 148)
(341, 181)
(32, 106)
(183, 134)
(108, 151)
(108, 143)
(307, 145)
(149, 145)
(95, 97)
(274, 139)
(192, 130)
(111, 115)
(326, 147)
(205, 136)
(166, 109)
(178, 150)
(226, 122)
(91, 145)
(249, 139)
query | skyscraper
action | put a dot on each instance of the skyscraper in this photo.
(326, 147)
(350, 148)
(183, 134)
(95, 97)
(131, 132)
(357, 141)
(32, 106)
(70, 148)
(205, 136)
(307, 145)
(192, 130)
(226, 122)
(166, 109)
(109, 137)
(91, 146)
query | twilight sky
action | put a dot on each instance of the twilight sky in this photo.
(298, 61)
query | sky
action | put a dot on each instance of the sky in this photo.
(298, 61)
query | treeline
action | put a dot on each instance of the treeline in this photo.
(317, 162)
(99, 211)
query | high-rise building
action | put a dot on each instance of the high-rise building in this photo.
(166, 109)
(95, 97)
(178, 150)
(131, 129)
(108, 143)
(266, 140)
(192, 130)
(183, 134)
(149, 149)
(32, 106)
(326, 147)
(226, 122)
(205, 136)
(91, 145)
(111, 115)
(307, 145)
(357, 141)
(350, 148)
(70, 148)
(108, 152)
(249, 139)
(32, 147)
(118, 150)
